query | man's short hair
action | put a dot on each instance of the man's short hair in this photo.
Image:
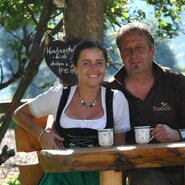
(138, 27)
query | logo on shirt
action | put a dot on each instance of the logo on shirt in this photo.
(162, 107)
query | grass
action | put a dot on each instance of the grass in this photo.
(14, 181)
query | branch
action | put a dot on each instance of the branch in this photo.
(11, 80)
(6, 154)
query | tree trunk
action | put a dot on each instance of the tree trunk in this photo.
(84, 19)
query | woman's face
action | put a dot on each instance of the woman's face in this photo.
(91, 67)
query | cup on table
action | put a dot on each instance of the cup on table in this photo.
(142, 134)
(105, 137)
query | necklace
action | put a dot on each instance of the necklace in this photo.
(86, 105)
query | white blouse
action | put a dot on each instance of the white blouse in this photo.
(47, 104)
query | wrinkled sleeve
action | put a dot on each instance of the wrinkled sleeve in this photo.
(120, 112)
(46, 103)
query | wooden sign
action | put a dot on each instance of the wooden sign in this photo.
(57, 56)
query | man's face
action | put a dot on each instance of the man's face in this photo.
(136, 54)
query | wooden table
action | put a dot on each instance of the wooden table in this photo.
(111, 160)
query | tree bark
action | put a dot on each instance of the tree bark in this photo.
(84, 19)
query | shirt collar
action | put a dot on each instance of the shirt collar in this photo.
(121, 74)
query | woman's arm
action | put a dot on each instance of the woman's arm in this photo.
(24, 118)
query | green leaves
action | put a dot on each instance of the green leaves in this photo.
(168, 15)
(165, 15)
(115, 11)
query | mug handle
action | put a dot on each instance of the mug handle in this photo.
(151, 137)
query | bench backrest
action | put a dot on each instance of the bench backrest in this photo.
(25, 142)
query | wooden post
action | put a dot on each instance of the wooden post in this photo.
(110, 177)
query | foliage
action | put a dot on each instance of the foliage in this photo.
(20, 20)
(116, 10)
(167, 15)
(14, 182)
(168, 10)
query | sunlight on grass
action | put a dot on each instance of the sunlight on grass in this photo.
(14, 181)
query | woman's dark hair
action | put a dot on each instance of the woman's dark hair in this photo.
(87, 44)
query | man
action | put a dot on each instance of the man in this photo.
(156, 97)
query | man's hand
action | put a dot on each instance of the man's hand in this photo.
(164, 134)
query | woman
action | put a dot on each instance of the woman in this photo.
(83, 114)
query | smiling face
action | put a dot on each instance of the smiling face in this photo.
(91, 66)
(136, 53)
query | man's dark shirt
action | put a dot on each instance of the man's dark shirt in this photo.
(164, 104)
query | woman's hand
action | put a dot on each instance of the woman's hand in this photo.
(51, 140)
